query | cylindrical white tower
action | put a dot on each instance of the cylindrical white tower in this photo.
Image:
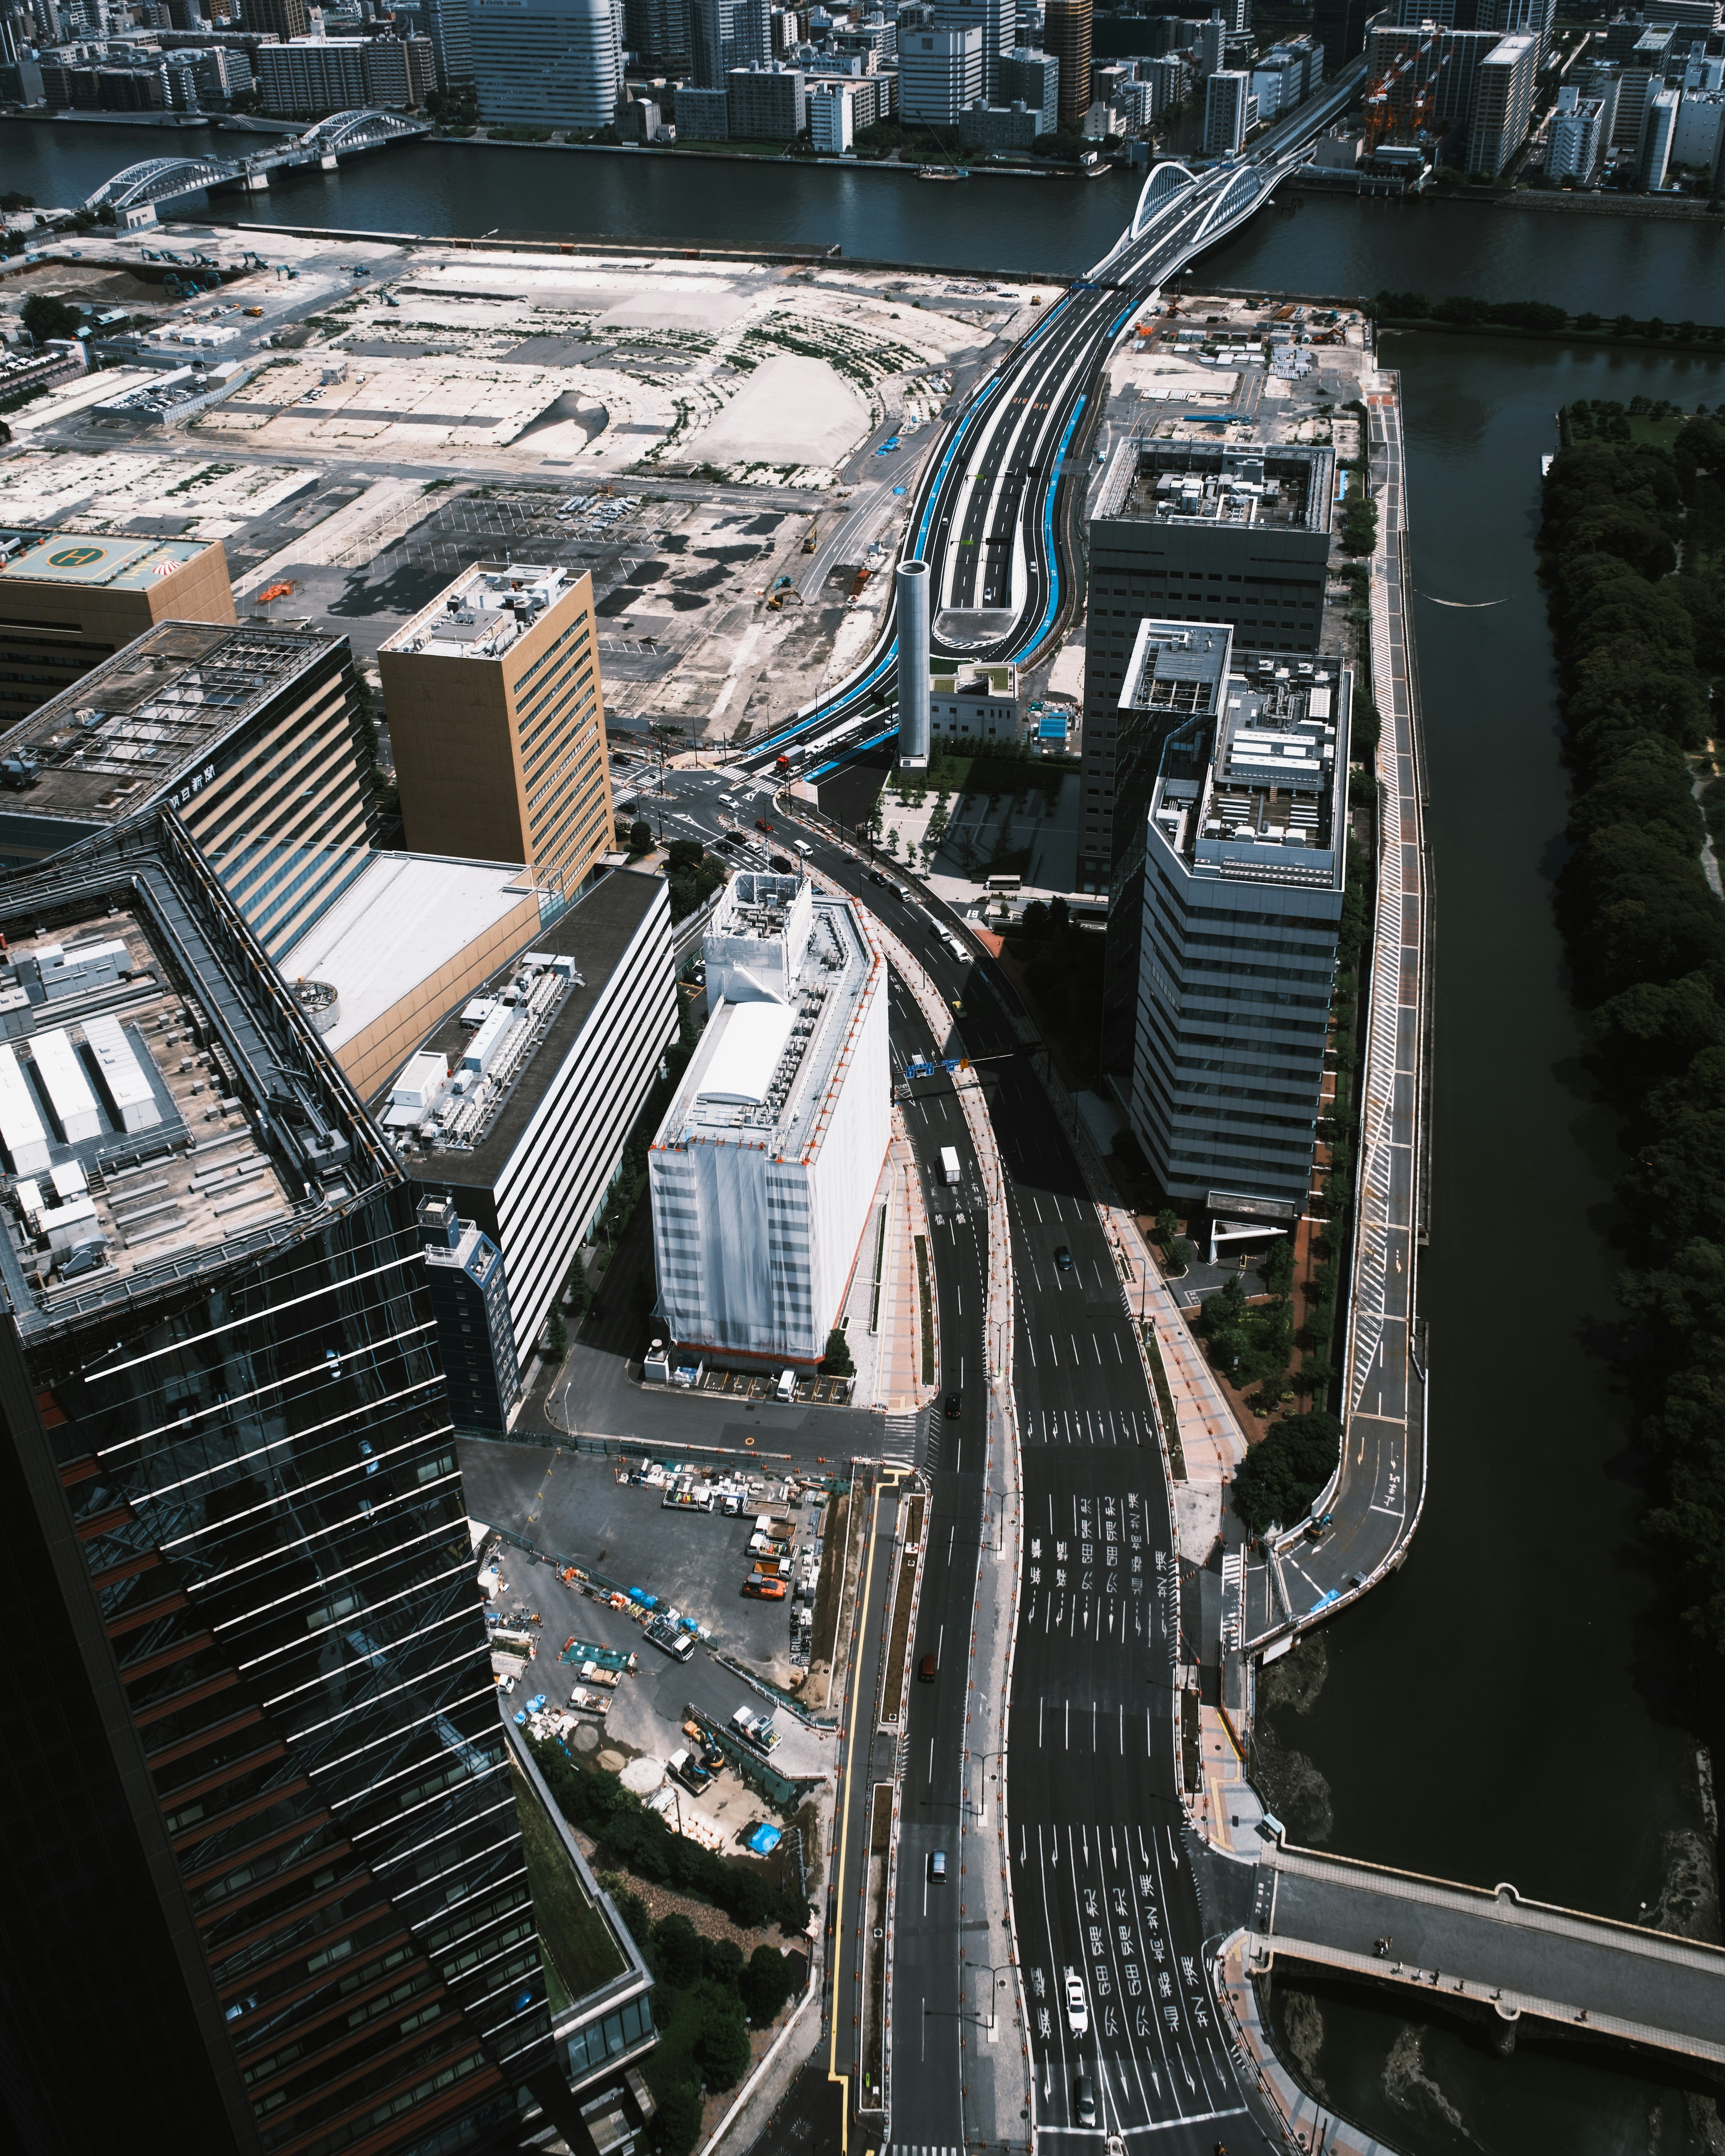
(913, 583)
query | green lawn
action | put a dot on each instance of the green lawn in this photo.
(575, 1942)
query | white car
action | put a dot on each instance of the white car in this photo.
(1077, 2007)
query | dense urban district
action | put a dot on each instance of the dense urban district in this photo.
(715, 1049)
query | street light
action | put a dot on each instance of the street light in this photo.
(983, 1757)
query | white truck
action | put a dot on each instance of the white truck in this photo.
(949, 1163)
(787, 1389)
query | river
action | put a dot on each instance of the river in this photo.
(1499, 1710)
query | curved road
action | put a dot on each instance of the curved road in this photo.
(989, 515)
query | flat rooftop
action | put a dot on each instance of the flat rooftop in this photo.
(791, 966)
(92, 559)
(160, 1111)
(1284, 486)
(132, 728)
(519, 1025)
(484, 612)
(402, 919)
(1250, 783)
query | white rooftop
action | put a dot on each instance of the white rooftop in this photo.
(741, 1067)
(401, 919)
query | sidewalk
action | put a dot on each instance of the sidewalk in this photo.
(899, 1388)
(1281, 2106)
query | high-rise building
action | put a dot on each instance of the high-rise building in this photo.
(1066, 36)
(763, 1171)
(1700, 132)
(555, 63)
(1233, 868)
(1033, 77)
(1574, 141)
(1202, 532)
(449, 27)
(518, 1104)
(469, 1301)
(497, 722)
(832, 117)
(1209, 44)
(1502, 104)
(998, 21)
(726, 35)
(657, 32)
(252, 734)
(1230, 109)
(1659, 131)
(765, 104)
(284, 18)
(1340, 27)
(940, 72)
(254, 1749)
(70, 599)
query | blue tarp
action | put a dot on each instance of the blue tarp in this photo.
(764, 1839)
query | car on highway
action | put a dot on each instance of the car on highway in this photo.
(955, 1406)
(927, 1669)
(780, 866)
(762, 824)
(733, 838)
(1077, 2006)
(1084, 2100)
(1063, 1258)
(936, 1867)
(886, 882)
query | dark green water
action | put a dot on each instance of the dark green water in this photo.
(1500, 1710)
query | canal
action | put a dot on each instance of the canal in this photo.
(1502, 1709)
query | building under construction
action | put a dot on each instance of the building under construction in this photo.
(1421, 82)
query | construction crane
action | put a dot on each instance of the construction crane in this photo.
(1399, 100)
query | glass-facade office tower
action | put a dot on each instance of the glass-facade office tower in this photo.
(266, 1889)
(555, 63)
(1233, 816)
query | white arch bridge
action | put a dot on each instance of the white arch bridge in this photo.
(159, 180)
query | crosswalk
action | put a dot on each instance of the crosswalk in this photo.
(901, 1439)
(921, 2148)
(1089, 1426)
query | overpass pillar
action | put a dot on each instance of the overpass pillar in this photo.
(256, 182)
(330, 161)
(913, 617)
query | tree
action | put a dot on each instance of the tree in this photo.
(676, 1951)
(45, 316)
(722, 2047)
(578, 1290)
(765, 1984)
(641, 837)
(556, 1337)
(679, 2120)
(836, 1363)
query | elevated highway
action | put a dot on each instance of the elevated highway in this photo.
(993, 511)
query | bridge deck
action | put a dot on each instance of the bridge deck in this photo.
(1514, 1956)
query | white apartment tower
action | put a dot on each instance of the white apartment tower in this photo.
(763, 1171)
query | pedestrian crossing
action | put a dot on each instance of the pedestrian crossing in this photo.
(922, 2148)
(901, 1439)
(1089, 1426)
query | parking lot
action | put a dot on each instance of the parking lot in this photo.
(574, 1509)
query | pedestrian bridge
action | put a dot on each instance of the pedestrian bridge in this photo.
(1490, 1954)
(158, 180)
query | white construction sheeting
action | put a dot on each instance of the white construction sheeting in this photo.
(69, 1093)
(127, 1083)
(21, 1130)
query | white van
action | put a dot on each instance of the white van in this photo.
(786, 1388)
(804, 850)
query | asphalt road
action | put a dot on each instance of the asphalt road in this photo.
(1103, 1867)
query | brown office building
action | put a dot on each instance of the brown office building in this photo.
(251, 733)
(70, 599)
(288, 19)
(497, 722)
(1066, 35)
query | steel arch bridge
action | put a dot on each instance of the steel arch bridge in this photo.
(165, 179)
